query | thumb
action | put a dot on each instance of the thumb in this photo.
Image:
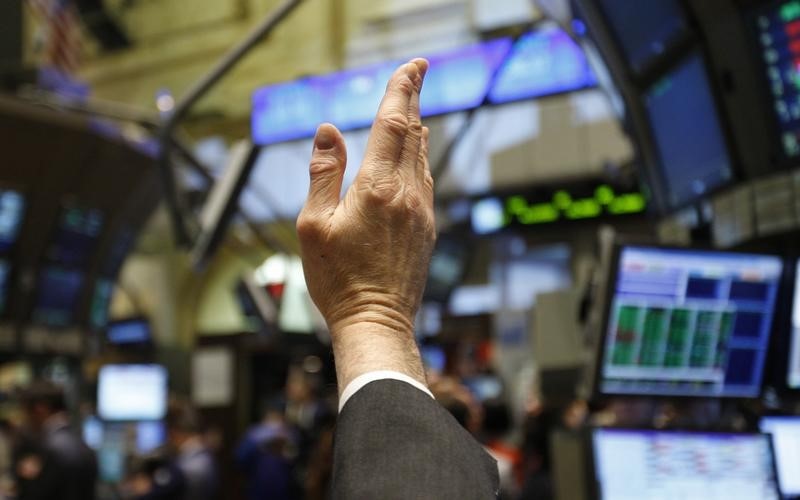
(326, 169)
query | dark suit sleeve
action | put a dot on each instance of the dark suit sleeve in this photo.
(394, 442)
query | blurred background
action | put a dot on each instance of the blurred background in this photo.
(611, 308)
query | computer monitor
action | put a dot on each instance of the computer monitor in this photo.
(447, 267)
(793, 370)
(132, 392)
(646, 464)
(687, 322)
(129, 331)
(543, 62)
(645, 30)
(57, 296)
(776, 38)
(12, 208)
(786, 443)
(691, 152)
(76, 237)
(150, 436)
(98, 311)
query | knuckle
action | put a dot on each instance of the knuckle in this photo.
(395, 123)
(405, 85)
(307, 227)
(415, 127)
(380, 194)
(323, 165)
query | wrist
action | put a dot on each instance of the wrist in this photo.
(365, 346)
(378, 311)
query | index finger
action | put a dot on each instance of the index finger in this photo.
(391, 124)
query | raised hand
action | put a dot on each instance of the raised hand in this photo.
(366, 256)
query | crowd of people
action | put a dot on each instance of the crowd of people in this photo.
(286, 455)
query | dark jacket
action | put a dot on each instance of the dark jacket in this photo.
(394, 442)
(68, 467)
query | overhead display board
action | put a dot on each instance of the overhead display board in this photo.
(543, 62)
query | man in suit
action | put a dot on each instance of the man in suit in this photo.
(365, 259)
(54, 463)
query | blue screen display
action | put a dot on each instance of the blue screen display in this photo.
(57, 296)
(645, 30)
(693, 155)
(458, 80)
(543, 62)
(129, 332)
(12, 207)
(76, 237)
(685, 322)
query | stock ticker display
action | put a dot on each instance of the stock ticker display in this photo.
(689, 323)
(778, 29)
(542, 62)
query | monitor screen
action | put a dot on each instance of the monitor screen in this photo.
(150, 436)
(98, 312)
(5, 275)
(777, 29)
(691, 149)
(786, 443)
(645, 30)
(541, 63)
(132, 392)
(133, 331)
(683, 322)
(76, 236)
(457, 80)
(57, 296)
(643, 464)
(793, 372)
(446, 269)
(12, 208)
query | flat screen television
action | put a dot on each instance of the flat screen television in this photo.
(132, 392)
(542, 62)
(76, 237)
(129, 331)
(776, 38)
(692, 157)
(57, 295)
(12, 209)
(457, 80)
(645, 30)
(793, 369)
(687, 322)
(649, 464)
(785, 433)
(101, 299)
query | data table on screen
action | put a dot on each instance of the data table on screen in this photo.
(693, 323)
(654, 465)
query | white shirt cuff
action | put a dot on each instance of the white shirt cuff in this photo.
(359, 382)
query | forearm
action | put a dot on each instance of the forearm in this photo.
(367, 346)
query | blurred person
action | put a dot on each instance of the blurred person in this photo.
(52, 462)
(496, 427)
(365, 259)
(263, 455)
(154, 477)
(193, 457)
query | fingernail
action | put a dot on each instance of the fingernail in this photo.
(324, 138)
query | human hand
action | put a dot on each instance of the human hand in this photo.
(366, 256)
